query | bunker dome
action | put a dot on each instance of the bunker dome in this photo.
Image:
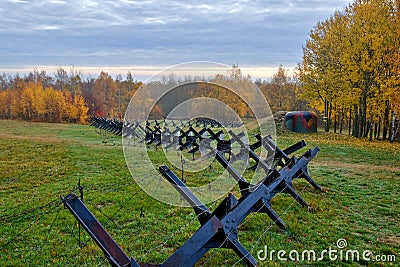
(301, 121)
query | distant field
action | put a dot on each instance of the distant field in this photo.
(40, 161)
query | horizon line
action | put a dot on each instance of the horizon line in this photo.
(139, 72)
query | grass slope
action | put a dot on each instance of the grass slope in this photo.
(39, 162)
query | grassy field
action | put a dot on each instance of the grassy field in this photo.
(39, 162)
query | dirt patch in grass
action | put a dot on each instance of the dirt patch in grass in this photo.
(358, 167)
(391, 240)
(39, 138)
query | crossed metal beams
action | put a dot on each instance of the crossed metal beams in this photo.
(219, 228)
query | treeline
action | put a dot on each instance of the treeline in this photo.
(241, 97)
(67, 96)
(33, 101)
(350, 70)
(64, 96)
(281, 91)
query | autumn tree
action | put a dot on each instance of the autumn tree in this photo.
(348, 66)
(280, 91)
(105, 95)
(30, 101)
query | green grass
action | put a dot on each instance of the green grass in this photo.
(39, 162)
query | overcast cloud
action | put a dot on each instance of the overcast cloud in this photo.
(123, 33)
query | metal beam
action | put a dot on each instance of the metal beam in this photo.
(115, 255)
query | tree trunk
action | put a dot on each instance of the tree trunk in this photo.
(371, 126)
(341, 121)
(329, 119)
(386, 121)
(367, 129)
(356, 124)
(379, 128)
(326, 118)
(350, 121)
(360, 123)
(335, 123)
(392, 127)
(363, 112)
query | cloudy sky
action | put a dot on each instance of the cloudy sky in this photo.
(146, 36)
